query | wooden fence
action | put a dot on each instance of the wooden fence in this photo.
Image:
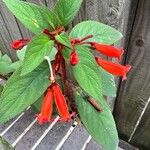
(133, 20)
(132, 105)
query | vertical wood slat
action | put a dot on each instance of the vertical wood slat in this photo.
(8, 29)
(135, 92)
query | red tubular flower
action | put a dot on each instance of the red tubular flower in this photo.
(113, 68)
(47, 107)
(60, 102)
(74, 59)
(18, 44)
(108, 50)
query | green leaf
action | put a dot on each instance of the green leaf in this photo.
(66, 10)
(66, 53)
(1, 88)
(53, 54)
(5, 68)
(38, 103)
(86, 72)
(16, 65)
(108, 83)
(100, 125)
(5, 63)
(34, 17)
(63, 38)
(5, 58)
(39, 47)
(21, 53)
(20, 92)
(101, 33)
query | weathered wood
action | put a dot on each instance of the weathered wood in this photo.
(135, 92)
(8, 29)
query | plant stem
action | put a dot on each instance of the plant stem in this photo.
(50, 67)
(87, 37)
(86, 43)
(63, 67)
(90, 100)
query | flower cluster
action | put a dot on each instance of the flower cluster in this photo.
(107, 50)
(54, 92)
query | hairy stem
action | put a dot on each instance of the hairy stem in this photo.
(87, 37)
(50, 67)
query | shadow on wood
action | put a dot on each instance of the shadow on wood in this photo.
(132, 109)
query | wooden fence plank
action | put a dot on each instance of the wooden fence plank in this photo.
(141, 138)
(10, 22)
(134, 93)
(9, 29)
(50, 3)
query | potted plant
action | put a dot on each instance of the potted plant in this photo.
(61, 67)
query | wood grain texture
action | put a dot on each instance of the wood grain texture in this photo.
(8, 30)
(135, 92)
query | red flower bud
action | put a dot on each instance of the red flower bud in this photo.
(108, 50)
(47, 107)
(18, 44)
(74, 59)
(113, 68)
(60, 102)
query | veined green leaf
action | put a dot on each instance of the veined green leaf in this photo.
(37, 105)
(5, 58)
(86, 72)
(108, 83)
(100, 125)
(101, 33)
(5, 64)
(16, 65)
(21, 53)
(1, 88)
(39, 47)
(53, 54)
(34, 17)
(20, 92)
(66, 10)
(5, 68)
(63, 38)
